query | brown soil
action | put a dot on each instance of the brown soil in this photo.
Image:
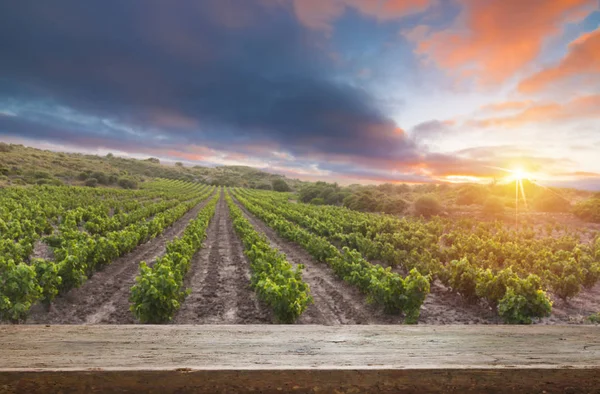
(219, 280)
(576, 310)
(42, 251)
(104, 298)
(335, 301)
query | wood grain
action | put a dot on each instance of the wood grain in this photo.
(303, 358)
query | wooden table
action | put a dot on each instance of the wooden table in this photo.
(295, 358)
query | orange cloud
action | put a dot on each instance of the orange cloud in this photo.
(583, 58)
(579, 108)
(494, 39)
(507, 106)
(318, 14)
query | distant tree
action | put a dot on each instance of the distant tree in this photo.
(153, 160)
(5, 147)
(91, 182)
(279, 185)
(179, 164)
(110, 156)
(428, 205)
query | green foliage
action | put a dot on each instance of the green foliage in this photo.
(428, 205)
(330, 193)
(594, 318)
(91, 182)
(374, 200)
(18, 290)
(156, 296)
(382, 286)
(462, 277)
(127, 183)
(523, 301)
(274, 279)
(48, 278)
(317, 201)
(28, 214)
(159, 290)
(279, 185)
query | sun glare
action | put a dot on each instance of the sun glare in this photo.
(518, 175)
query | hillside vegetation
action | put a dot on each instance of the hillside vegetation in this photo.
(20, 165)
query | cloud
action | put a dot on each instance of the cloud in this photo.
(430, 129)
(506, 106)
(584, 107)
(493, 40)
(226, 75)
(582, 59)
(319, 14)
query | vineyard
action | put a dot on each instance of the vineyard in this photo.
(181, 252)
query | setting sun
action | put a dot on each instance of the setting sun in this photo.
(518, 174)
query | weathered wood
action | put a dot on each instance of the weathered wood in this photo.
(268, 358)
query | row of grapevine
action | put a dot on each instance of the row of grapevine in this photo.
(517, 298)
(382, 286)
(276, 282)
(77, 253)
(159, 290)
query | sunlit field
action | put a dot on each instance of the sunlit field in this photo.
(120, 247)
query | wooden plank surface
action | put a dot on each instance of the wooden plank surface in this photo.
(303, 358)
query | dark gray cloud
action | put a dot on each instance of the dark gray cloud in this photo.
(228, 74)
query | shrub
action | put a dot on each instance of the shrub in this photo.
(317, 201)
(523, 301)
(42, 175)
(493, 206)
(5, 147)
(179, 164)
(101, 177)
(91, 182)
(127, 183)
(428, 205)
(279, 185)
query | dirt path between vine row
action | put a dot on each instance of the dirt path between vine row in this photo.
(335, 301)
(104, 298)
(219, 279)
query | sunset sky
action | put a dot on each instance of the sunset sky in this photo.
(340, 90)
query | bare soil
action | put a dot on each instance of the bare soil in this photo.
(576, 310)
(41, 250)
(219, 280)
(104, 298)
